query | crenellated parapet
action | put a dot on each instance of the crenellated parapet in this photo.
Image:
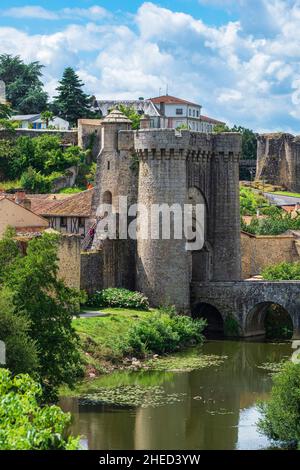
(165, 167)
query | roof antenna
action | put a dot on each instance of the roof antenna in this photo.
(159, 92)
(167, 89)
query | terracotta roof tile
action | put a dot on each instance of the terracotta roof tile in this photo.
(168, 99)
(211, 120)
(78, 205)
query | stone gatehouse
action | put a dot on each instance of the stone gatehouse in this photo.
(156, 166)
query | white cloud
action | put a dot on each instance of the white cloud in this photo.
(30, 12)
(93, 13)
(238, 77)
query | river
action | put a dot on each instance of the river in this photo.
(209, 409)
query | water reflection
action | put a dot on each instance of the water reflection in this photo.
(217, 410)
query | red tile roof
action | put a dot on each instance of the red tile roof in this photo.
(168, 99)
(210, 120)
(77, 205)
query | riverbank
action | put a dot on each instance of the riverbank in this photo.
(199, 408)
(133, 339)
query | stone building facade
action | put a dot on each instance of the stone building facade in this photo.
(278, 160)
(162, 166)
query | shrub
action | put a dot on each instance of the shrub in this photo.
(50, 306)
(21, 351)
(34, 182)
(282, 272)
(250, 201)
(274, 224)
(281, 414)
(24, 424)
(160, 333)
(119, 298)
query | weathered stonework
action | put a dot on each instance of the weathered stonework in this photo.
(258, 252)
(69, 260)
(278, 160)
(67, 137)
(163, 166)
(246, 301)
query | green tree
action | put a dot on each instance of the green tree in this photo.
(249, 142)
(21, 351)
(5, 111)
(131, 113)
(25, 425)
(71, 103)
(50, 306)
(281, 414)
(9, 252)
(24, 88)
(46, 117)
(7, 154)
(35, 182)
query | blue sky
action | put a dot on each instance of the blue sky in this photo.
(240, 59)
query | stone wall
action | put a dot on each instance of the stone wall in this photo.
(69, 260)
(278, 160)
(165, 166)
(91, 275)
(67, 137)
(89, 136)
(65, 181)
(245, 301)
(258, 252)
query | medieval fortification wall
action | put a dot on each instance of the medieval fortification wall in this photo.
(166, 167)
(278, 160)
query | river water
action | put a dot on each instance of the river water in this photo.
(208, 409)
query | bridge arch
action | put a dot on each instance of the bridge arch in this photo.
(255, 321)
(210, 313)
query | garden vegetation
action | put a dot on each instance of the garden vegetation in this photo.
(25, 424)
(281, 414)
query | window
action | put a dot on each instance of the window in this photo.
(194, 113)
(63, 222)
(179, 111)
(81, 222)
(197, 113)
(190, 112)
(108, 165)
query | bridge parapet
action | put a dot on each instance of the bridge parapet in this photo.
(246, 301)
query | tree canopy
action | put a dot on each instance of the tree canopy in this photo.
(25, 424)
(24, 88)
(71, 103)
(48, 304)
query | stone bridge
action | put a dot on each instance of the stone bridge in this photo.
(247, 302)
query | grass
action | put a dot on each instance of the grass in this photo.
(73, 190)
(103, 337)
(286, 193)
(8, 185)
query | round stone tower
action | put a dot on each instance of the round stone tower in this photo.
(163, 269)
(115, 178)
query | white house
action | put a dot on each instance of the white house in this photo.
(34, 121)
(179, 112)
(141, 106)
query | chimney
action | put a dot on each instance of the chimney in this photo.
(20, 196)
(27, 204)
(145, 122)
(22, 200)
